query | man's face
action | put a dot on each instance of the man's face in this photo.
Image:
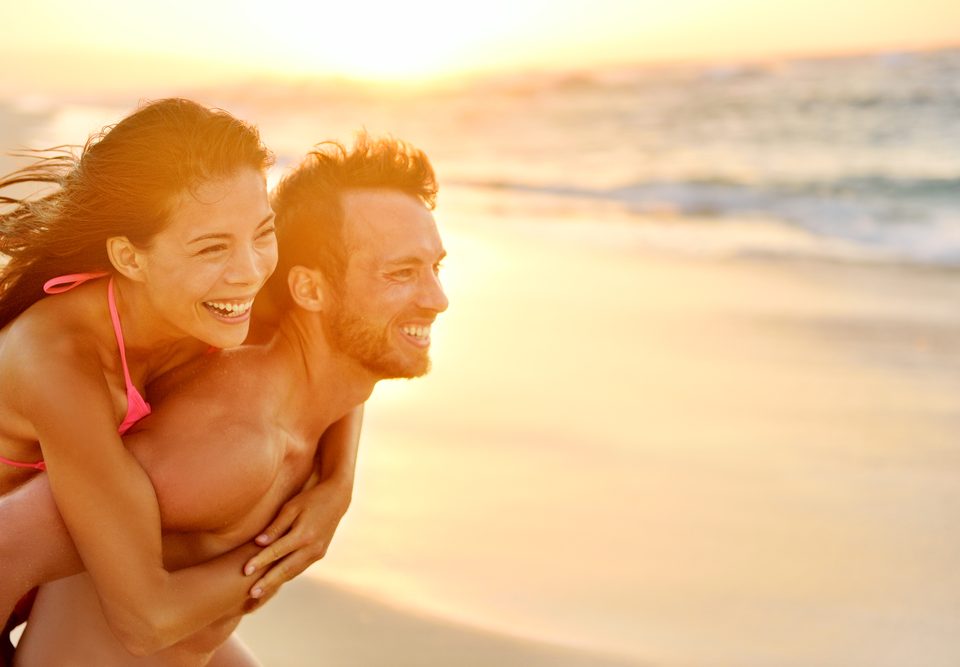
(391, 292)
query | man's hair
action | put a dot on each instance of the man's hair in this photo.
(309, 202)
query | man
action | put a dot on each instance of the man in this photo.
(234, 435)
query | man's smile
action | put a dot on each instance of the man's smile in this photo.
(417, 334)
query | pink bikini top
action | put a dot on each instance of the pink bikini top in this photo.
(137, 407)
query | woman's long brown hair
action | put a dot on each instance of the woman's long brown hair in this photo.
(124, 182)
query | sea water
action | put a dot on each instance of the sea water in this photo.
(860, 155)
(858, 158)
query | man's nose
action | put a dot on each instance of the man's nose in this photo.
(432, 296)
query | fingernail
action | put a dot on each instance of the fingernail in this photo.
(263, 538)
(256, 592)
(249, 569)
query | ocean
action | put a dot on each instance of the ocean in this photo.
(848, 159)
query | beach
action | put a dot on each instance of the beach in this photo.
(746, 462)
(314, 624)
(675, 459)
(696, 399)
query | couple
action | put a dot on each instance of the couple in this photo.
(234, 434)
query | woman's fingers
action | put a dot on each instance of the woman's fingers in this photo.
(279, 525)
(279, 549)
(286, 569)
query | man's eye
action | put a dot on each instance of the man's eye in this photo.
(402, 274)
(269, 231)
(437, 268)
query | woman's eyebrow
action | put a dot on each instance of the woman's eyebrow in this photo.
(223, 235)
(208, 237)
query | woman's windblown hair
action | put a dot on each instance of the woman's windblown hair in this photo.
(125, 181)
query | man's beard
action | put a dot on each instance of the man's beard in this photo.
(368, 343)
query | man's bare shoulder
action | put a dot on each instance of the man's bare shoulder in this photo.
(233, 373)
(215, 398)
(209, 436)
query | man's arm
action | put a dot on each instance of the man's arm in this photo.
(301, 533)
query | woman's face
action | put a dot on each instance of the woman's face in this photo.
(204, 269)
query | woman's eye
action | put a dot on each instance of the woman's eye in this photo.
(266, 233)
(212, 249)
(437, 268)
(402, 274)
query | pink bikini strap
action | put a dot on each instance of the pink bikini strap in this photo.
(62, 284)
(115, 318)
(39, 465)
(137, 407)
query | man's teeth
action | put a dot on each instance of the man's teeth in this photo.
(417, 332)
(231, 309)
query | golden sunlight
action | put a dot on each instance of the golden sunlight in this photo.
(421, 40)
(388, 42)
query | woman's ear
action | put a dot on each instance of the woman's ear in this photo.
(126, 259)
(306, 287)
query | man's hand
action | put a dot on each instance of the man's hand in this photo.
(298, 536)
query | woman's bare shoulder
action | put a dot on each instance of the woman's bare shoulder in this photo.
(51, 344)
(48, 328)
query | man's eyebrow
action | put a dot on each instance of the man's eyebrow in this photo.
(209, 237)
(415, 259)
(405, 260)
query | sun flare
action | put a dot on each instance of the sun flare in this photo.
(396, 42)
(111, 44)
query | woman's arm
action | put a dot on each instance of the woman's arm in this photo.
(35, 546)
(308, 521)
(109, 506)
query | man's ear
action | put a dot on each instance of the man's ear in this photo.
(307, 287)
(126, 259)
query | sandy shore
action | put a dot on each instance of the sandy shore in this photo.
(311, 624)
(685, 460)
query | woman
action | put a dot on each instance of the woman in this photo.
(165, 232)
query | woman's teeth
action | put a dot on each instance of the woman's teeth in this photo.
(229, 309)
(417, 332)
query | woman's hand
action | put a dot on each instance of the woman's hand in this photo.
(299, 535)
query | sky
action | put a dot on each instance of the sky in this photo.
(103, 43)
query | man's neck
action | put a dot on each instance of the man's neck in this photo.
(319, 384)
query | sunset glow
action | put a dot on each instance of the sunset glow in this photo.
(394, 43)
(115, 44)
